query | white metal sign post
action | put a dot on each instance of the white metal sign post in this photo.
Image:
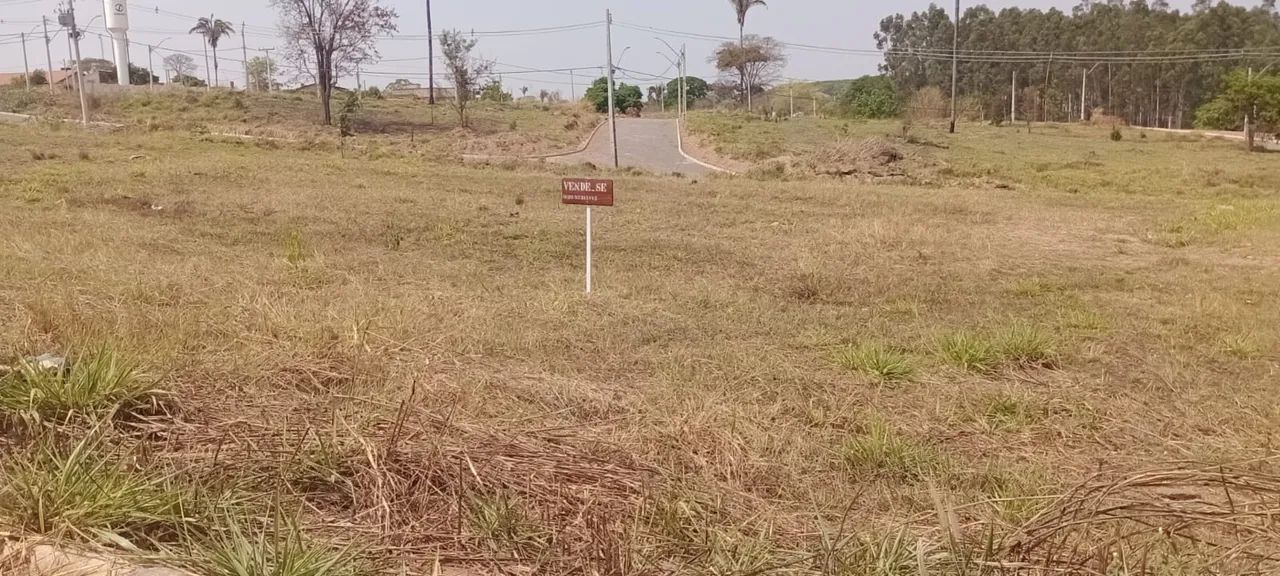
(587, 192)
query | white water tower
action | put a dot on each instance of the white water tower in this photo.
(117, 12)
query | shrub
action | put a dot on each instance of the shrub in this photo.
(870, 97)
(1116, 135)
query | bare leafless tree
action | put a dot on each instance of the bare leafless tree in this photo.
(325, 38)
(757, 60)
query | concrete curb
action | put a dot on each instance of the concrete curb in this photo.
(582, 148)
(680, 145)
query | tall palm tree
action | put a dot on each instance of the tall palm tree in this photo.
(741, 7)
(212, 29)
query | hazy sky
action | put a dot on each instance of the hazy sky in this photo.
(842, 23)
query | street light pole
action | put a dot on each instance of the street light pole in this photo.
(613, 121)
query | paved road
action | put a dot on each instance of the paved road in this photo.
(645, 143)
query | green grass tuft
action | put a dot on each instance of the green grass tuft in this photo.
(500, 519)
(880, 362)
(85, 489)
(281, 551)
(1004, 411)
(969, 351)
(98, 382)
(1241, 346)
(1027, 346)
(882, 451)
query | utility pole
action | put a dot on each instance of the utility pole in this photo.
(1084, 86)
(431, 60)
(68, 19)
(573, 87)
(271, 77)
(613, 121)
(244, 51)
(1013, 99)
(359, 86)
(1048, 76)
(26, 70)
(955, 64)
(684, 82)
(1248, 120)
(791, 98)
(151, 70)
(208, 77)
(48, 55)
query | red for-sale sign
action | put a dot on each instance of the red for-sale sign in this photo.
(586, 191)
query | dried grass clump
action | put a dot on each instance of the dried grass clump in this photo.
(1215, 519)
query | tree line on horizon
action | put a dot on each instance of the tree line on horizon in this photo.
(1160, 93)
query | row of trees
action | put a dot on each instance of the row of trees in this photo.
(1166, 90)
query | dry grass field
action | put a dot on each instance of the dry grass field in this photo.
(495, 128)
(1028, 353)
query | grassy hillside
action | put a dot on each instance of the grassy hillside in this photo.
(1055, 351)
(510, 129)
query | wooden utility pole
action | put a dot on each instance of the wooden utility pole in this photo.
(955, 64)
(431, 60)
(244, 51)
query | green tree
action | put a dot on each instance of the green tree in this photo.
(1246, 100)
(187, 80)
(493, 92)
(870, 97)
(139, 76)
(1163, 91)
(261, 70)
(213, 31)
(625, 97)
(695, 89)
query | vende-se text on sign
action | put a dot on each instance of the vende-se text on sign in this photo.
(586, 191)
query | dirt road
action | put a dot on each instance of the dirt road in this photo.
(1261, 141)
(650, 144)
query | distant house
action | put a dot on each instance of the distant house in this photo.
(59, 78)
(312, 89)
(405, 89)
